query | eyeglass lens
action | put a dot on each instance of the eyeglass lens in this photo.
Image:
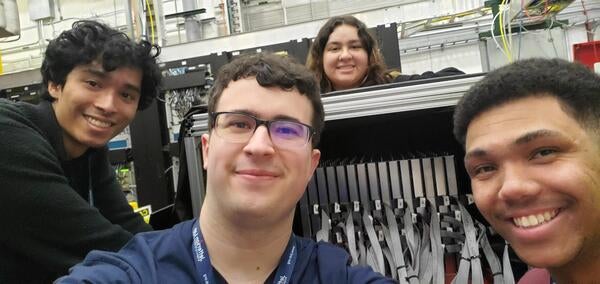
(237, 127)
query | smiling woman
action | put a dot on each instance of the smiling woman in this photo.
(344, 55)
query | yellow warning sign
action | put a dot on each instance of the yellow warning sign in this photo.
(145, 211)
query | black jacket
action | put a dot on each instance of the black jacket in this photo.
(47, 223)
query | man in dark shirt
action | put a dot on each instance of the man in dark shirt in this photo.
(59, 197)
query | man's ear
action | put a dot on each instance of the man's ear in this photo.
(205, 143)
(55, 90)
(314, 159)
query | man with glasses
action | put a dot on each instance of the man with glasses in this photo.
(265, 120)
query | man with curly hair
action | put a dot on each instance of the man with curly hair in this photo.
(59, 196)
(531, 132)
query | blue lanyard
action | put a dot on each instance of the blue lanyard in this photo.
(205, 270)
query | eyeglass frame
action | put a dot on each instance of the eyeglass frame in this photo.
(259, 122)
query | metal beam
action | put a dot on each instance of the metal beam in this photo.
(19, 79)
(382, 99)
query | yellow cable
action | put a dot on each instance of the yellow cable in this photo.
(502, 35)
(151, 21)
(509, 38)
(501, 25)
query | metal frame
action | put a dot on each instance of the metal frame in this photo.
(195, 172)
(150, 161)
(383, 99)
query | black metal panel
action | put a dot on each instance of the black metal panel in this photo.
(387, 35)
(153, 185)
(120, 156)
(214, 60)
(300, 50)
(187, 80)
(29, 93)
(297, 49)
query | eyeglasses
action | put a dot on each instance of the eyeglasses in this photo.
(239, 127)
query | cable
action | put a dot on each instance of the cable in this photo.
(492, 32)
(151, 21)
(588, 26)
(493, 36)
(550, 37)
(502, 35)
(520, 35)
(115, 10)
(526, 10)
(546, 8)
(510, 38)
(158, 98)
(58, 7)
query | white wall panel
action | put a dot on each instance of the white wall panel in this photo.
(538, 43)
(464, 57)
(26, 53)
(458, 50)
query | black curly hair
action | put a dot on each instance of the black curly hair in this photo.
(271, 70)
(87, 41)
(572, 84)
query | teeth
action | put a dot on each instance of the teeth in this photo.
(97, 122)
(535, 220)
(540, 218)
(518, 222)
(532, 220)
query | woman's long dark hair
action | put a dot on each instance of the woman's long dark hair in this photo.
(376, 73)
